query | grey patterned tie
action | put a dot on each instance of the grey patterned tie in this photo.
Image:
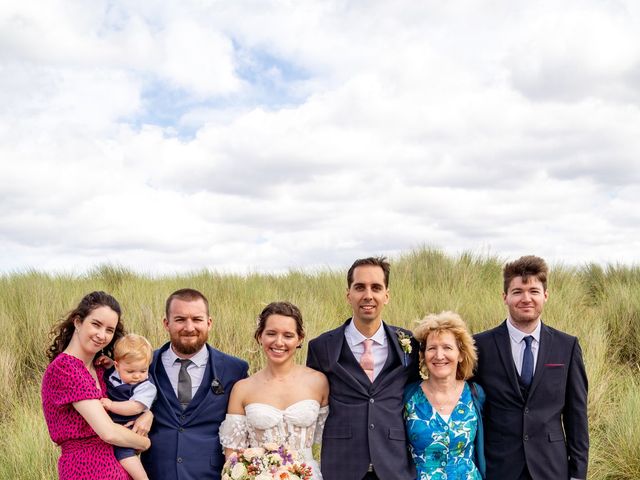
(184, 383)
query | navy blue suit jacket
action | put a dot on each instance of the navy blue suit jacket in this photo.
(365, 423)
(184, 443)
(546, 430)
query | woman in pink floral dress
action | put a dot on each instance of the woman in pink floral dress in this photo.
(72, 387)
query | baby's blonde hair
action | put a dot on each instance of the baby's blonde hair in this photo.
(132, 347)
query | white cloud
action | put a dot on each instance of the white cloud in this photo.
(244, 135)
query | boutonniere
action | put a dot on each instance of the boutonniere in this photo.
(405, 344)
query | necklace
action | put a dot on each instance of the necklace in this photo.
(450, 398)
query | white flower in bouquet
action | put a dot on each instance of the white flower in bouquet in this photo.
(253, 452)
(274, 462)
(238, 472)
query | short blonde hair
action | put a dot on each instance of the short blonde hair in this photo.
(448, 322)
(132, 347)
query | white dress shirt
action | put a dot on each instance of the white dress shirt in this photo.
(355, 340)
(195, 369)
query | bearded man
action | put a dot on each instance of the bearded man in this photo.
(194, 381)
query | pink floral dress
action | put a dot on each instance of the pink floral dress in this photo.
(84, 455)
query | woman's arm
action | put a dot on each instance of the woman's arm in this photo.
(142, 424)
(233, 431)
(96, 416)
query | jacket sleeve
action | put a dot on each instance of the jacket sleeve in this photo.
(574, 416)
(312, 359)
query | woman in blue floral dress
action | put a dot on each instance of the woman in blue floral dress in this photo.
(443, 412)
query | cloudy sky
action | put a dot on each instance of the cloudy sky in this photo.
(266, 135)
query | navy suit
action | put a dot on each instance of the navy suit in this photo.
(185, 443)
(544, 429)
(365, 423)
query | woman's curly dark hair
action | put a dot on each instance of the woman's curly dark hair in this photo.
(64, 330)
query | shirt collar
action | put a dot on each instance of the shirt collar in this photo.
(115, 377)
(200, 359)
(355, 337)
(518, 336)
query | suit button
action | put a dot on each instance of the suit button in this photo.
(179, 459)
(181, 429)
(526, 410)
(371, 400)
(372, 426)
(181, 417)
(526, 438)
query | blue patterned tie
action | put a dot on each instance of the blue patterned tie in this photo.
(527, 362)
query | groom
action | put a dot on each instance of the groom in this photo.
(367, 367)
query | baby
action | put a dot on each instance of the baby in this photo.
(130, 393)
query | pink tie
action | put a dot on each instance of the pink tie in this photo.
(366, 362)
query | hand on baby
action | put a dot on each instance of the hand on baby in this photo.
(106, 403)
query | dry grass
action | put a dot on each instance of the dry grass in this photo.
(599, 305)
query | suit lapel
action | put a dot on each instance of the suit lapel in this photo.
(544, 349)
(392, 336)
(335, 344)
(503, 346)
(165, 390)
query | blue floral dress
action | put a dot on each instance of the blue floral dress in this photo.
(441, 450)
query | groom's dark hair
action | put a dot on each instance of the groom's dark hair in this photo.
(376, 262)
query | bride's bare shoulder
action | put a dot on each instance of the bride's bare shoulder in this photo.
(313, 376)
(245, 385)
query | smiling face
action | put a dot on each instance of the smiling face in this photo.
(188, 325)
(525, 301)
(368, 295)
(279, 339)
(97, 329)
(132, 371)
(442, 355)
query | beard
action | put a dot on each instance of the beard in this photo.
(189, 344)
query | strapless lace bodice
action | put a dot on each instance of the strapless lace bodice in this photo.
(299, 425)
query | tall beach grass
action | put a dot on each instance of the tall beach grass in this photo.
(601, 305)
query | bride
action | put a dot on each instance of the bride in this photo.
(283, 403)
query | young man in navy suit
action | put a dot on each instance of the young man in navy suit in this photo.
(194, 381)
(535, 415)
(367, 365)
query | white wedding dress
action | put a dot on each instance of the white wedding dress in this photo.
(299, 426)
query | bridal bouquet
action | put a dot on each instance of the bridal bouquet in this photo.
(273, 462)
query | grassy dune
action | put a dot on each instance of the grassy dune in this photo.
(599, 305)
